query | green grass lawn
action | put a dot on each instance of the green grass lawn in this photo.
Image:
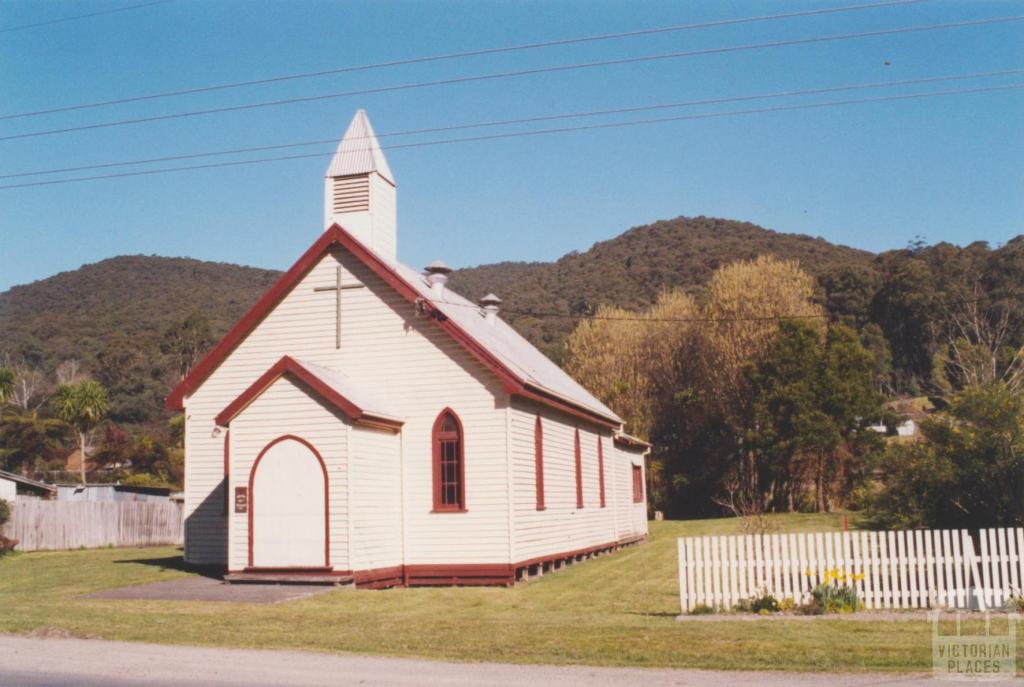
(614, 610)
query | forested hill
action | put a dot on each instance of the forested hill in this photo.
(114, 316)
(77, 314)
(631, 269)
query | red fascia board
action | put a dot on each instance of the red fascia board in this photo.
(248, 322)
(631, 442)
(541, 397)
(288, 365)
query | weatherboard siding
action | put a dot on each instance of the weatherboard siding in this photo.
(286, 408)
(376, 526)
(401, 358)
(632, 517)
(561, 526)
(418, 371)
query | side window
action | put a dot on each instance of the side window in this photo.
(638, 484)
(449, 463)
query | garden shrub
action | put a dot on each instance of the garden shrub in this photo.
(702, 609)
(765, 603)
(5, 515)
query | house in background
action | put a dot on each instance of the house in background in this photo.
(73, 464)
(364, 422)
(14, 486)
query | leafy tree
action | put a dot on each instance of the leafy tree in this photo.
(813, 397)
(27, 440)
(967, 472)
(785, 383)
(82, 405)
(745, 301)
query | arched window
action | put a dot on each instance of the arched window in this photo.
(449, 463)
(579, 473)
(538, 461)
(600, 468)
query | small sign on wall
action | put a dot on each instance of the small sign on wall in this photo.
(241, 499)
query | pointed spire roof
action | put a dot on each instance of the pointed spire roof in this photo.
(359, 151)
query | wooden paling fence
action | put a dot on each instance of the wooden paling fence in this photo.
(53, 525)
(892, 569)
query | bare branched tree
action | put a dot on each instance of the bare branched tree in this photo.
(30, 388)
(978, 348)
(69, 372)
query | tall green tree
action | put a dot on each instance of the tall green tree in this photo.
(82, 405)
(814, 396)
(785, 419)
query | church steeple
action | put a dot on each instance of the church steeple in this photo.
(359, 189)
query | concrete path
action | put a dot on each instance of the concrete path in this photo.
(33, 662)
(210, 589)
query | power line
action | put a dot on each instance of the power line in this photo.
(419, 144)
(524, 72)
(459, 55)
(82, 16)
(528, 120)
(638, 318)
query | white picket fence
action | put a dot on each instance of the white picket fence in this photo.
(54, 525)
(892, 569)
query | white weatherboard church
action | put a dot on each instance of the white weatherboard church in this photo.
(364, 423)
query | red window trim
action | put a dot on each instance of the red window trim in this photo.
(579, 472)
(435, 442)
(638, 484)
(600, 469)
(538, 458)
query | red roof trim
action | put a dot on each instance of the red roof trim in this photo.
(630, 441)
(205, 367)
(336, 235)
(288, 365)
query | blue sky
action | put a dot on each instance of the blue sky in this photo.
(871, 175)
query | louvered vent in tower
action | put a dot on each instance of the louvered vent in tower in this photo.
(351, 194)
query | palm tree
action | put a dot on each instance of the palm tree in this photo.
(83, 406)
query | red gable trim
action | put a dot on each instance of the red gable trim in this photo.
(205, 367)
(288, 365)
(338, 236)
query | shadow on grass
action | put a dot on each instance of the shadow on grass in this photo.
(178, 563)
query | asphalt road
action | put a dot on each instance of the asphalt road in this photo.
(52, 662)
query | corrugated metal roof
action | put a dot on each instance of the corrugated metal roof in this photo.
(359, 151)
(504, 342)
(14, 477)
(348, 389)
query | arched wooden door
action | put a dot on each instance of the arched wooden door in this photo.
(288, 522)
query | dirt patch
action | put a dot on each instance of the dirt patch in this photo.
(209, 589)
